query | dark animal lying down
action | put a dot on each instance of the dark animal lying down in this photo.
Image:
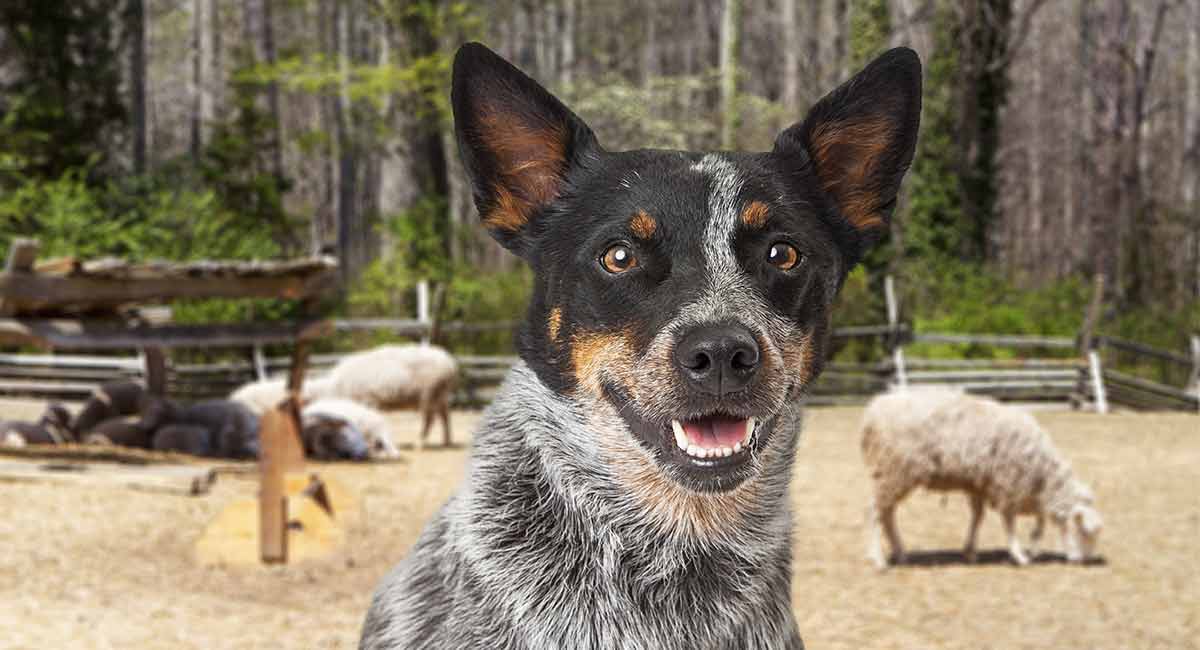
(327, 437)
(215, 428)
(53, 428)
(113, 399)
(121, 431)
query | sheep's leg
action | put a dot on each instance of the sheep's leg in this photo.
(887, 517)
(973, 530)
(426, 406)
(1014, 544)
(1035, 537)
(444, 412)
(875, 537)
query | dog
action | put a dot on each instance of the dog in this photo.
(628, 488)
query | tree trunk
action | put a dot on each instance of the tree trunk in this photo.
(269, 53)
(730, 27)
(791, 55)
(197, 86)
(136, 25)
(567, 71)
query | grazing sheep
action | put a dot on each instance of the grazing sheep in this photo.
(53, 428)
(113, 399)
(387, 378)
(392, 377)
(216, 428)
(371, 423)
(332, 438)
(120, 431)
(948, 441)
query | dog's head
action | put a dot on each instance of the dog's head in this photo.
(687, 292)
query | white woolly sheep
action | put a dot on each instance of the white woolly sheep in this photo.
(371, 423)
(387, 378)
(948, 441)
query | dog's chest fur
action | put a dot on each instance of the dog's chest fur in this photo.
(535, 554)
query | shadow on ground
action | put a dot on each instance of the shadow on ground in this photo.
(994, 557)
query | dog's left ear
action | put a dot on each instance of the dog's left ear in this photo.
(860, 140)
(517, 142)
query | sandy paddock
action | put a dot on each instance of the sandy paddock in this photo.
(112, 568)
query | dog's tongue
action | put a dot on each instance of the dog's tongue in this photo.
(715, 432)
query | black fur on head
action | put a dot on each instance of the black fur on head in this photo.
(679, 287)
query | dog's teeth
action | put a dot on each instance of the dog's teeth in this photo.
(726, 451)
(680, 437)
(749, 430)
(693, 450)
(737, 448)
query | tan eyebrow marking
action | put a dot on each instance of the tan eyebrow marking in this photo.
(643, 225)
(755, 214)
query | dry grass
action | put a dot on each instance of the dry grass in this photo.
(111, 568)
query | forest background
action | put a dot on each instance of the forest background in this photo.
(1060, 139)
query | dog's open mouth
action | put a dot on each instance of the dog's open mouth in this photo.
(710, 452)
(713, 437)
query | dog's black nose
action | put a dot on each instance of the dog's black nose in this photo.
(718, 359)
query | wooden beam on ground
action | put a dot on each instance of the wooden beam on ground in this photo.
(106, 335)
(184, 480)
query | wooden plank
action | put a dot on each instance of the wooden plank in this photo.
(73, 334)
(131, 363)
(32, 293)
(1114, 376)
(182, 480)
(155, 370)
(996, 340)
(1146, 350)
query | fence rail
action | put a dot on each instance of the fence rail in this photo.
(1086, 376)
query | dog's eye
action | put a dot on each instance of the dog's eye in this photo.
(618, 259)
(783, 256)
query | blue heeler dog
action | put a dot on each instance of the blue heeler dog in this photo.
(629, 486)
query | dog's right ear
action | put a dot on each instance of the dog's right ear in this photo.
(517, 142)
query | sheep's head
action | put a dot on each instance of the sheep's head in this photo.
(1084, 525)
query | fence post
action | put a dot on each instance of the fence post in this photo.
(896, 343)
(1088, 348)
(154, 368)
(423, 308)
(260, 362)
(1097, 373)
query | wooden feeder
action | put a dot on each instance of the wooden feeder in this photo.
(74, 304)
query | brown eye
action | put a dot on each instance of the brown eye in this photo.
(783, 256)
(618, 259)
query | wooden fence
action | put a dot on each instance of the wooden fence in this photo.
(1087, 370)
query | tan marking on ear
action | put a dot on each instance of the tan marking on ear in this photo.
(530, 160)
(846, 156)
(643, 225)
(754, 214)
(509, 213)
(600, 356)
(554, 323)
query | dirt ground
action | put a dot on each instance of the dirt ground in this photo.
(112, 568)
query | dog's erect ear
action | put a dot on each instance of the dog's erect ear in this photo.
(860, 140)
(517, 141)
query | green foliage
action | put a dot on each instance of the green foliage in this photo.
(933, 222)
(870, 26)
(61, 101)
